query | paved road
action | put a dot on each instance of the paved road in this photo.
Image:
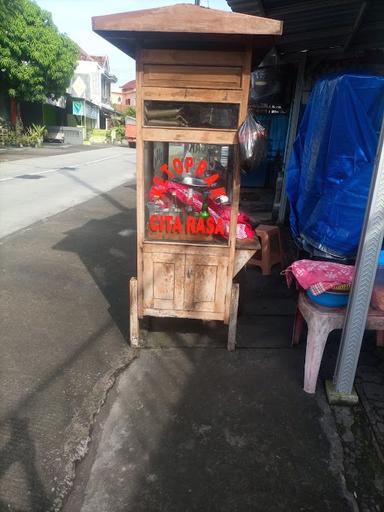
(64, 330)
(33, 189)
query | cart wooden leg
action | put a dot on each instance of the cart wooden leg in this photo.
(233, 317)
(133, 316)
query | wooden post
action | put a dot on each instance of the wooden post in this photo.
(140, 206)
(133, 316)
(233, 317)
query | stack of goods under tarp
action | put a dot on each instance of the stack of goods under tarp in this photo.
(326, 283)
(330, 168)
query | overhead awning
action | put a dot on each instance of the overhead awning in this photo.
(321, 26)
(107, 109)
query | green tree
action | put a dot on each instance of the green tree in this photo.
(36, 61)
(131, 111)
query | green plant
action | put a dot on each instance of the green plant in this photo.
(117, 120)
(131, 111)
(10, 138)
(24, 140)
(120, 132)
(40, 130)
(4, 123)
(36, 133)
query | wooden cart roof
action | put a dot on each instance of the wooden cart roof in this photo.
(177, 25)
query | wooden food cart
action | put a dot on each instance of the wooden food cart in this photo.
(193, 76)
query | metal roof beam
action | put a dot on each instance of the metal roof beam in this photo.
(314, 35)
(356, 25)
(252, 7)
(307, 6)
(244, 4)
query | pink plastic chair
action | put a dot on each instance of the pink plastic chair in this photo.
(321, 321)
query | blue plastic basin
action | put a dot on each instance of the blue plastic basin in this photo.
(329, 299)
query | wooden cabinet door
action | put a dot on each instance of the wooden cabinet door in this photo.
(163, 280)
(205, 283)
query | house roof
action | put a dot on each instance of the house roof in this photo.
(101, 59)
(184, 26)
(129, 85)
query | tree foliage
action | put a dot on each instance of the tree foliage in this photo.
(36, 61)
(131, 111)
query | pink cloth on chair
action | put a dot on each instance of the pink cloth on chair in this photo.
(319, 276)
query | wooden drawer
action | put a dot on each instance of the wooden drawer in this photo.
(205, 283)
(205, 77)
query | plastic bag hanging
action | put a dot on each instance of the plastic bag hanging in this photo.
(252, 142)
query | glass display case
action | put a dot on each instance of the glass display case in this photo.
(188, 191)
(191, 114)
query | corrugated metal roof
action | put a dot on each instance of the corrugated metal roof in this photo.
(319, 25)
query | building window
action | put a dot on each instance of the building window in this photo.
(128, 101)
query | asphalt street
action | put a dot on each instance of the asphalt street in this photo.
(64, 330)
(32, 189)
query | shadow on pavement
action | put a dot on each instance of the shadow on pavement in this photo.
(20, 449)
(107, 248)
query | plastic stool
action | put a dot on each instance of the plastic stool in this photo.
(271, 249)
(321, 321)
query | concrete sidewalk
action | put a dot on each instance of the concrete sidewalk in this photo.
(185, 426)
(191, 427)
(204, 430)
(8, 154)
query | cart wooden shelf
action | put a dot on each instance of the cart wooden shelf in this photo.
(193, 68)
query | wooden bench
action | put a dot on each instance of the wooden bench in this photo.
(321, 321)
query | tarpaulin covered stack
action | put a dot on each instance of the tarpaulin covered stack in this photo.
(331, 164)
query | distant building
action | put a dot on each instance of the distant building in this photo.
(86, 105)
(124, 96)
(90, 103)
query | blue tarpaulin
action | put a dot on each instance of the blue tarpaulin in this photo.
(331, 163)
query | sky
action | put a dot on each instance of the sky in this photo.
(73, 17)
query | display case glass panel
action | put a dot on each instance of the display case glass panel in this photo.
(191, 115)
(188, 192)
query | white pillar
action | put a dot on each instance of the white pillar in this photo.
(366, 264)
